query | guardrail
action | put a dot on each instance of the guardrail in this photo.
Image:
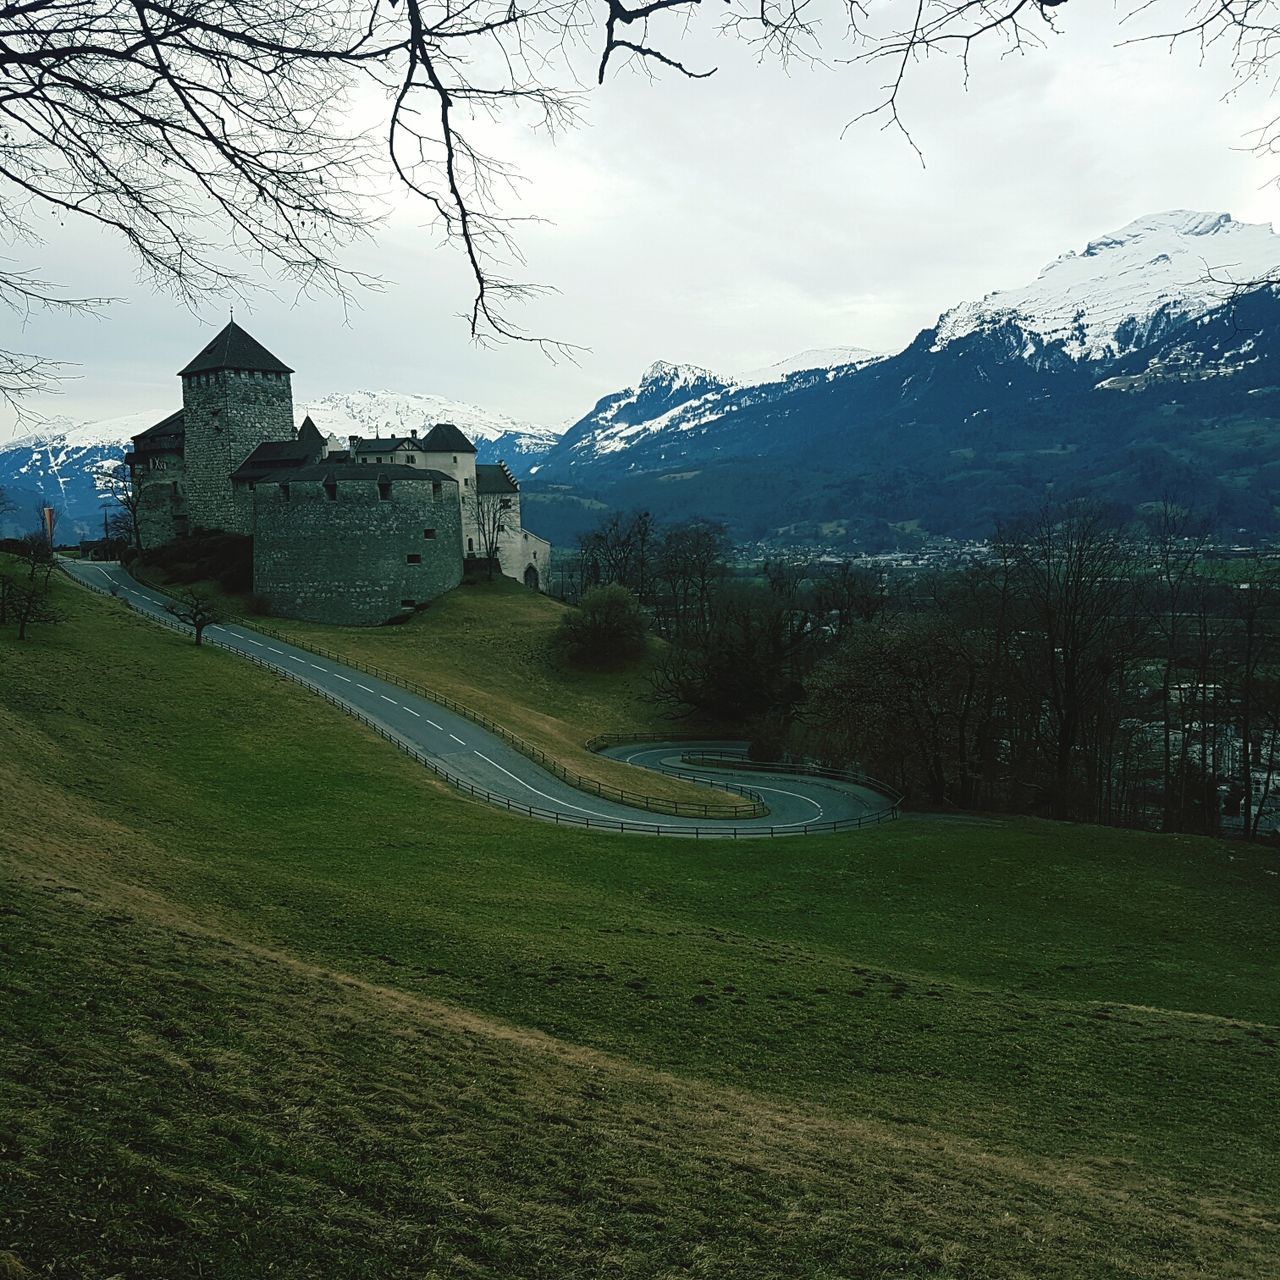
(504, 802)
(756, 808)
(719, 759)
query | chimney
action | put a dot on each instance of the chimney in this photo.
(413, 431)
(353, 441)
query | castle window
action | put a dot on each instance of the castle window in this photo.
(411, 457)
(436, 489)
(455, 457)
(428, 533)
(505, 504)
(535, 555)
(384, 490)
(377, 459)
(413, 558)
(471, 546)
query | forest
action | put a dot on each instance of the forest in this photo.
(1088, 667)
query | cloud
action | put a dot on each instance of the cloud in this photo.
(726, 223)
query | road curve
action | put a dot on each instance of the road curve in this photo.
(469, 755)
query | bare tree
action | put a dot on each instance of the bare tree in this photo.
(29, 604)
(210, 134)
(117, 484)
(488, 512)
(198, 609)
(37, 553)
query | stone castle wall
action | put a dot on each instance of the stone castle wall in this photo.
(227, 414)
(162, 504)
(346, 559)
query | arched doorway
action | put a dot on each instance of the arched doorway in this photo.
(531, 578)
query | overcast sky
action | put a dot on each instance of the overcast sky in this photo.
(726, 223)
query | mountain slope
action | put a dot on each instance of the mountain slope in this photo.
(59, 462)
(1114, 373)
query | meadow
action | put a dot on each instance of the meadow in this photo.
(277, 1003)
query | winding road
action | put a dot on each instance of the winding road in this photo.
(469, 756)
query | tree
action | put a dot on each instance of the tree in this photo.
(198, 609)
(607, 628)
(116, 483)
(488, 512)
(29, 604)
(1075, 573)
(211, 133)
(37, 553)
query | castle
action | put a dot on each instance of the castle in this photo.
(356, 534)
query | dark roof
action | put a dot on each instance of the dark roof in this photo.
(162, 434)
(444, 437)
(234, 349)
(366, 443)
(495, 478)
(311, 435)
(276, 455)
(326, 471)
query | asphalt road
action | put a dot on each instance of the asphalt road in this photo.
(473, 756)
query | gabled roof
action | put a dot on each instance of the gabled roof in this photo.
(165, 433)
(366, 444)
(495, 478)
(234, 349)
(444, 437)
(275, 455)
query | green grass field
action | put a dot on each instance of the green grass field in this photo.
(275, 1003)
(492, 647)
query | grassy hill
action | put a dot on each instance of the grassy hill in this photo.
(491, 646)
(278, 1004)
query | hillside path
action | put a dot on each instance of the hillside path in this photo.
(473, 756)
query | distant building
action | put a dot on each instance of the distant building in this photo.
(350, 535)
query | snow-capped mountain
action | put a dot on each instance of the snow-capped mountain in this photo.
(1126, 370)
(1122, 289)
(395, 413)
(678, 401)
(60, 459)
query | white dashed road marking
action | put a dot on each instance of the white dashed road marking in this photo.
(433, 724)
(313, 667)
(255, 643)
(365, 687)
(344, 679)
(386, 699)
(457, 739)
(411, 711)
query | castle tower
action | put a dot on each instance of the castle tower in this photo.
(235, 396)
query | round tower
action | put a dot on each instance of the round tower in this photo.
(235, 396)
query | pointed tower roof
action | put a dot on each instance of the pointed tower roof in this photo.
(234, 349)
(444, 437)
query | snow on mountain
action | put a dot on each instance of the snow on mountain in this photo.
(1123, 288)
(60, 458)
(687, 398)
(396, 413)
(807, 361)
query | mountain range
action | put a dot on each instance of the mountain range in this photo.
(1146, 364)
(1129, 370)
(59, 462)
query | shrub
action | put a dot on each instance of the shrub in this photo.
(607, 629)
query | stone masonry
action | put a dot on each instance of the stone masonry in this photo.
(228, 413)
(357, 549)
